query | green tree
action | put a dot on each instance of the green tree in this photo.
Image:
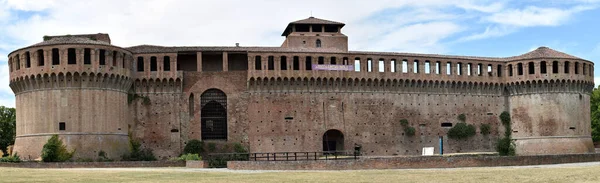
(55, 151)
(7, 128)
(595, 112)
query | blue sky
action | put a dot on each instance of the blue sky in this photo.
(498, 28)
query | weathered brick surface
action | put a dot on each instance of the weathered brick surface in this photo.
(196, 164)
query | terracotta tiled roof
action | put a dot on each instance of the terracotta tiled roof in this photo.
(70, 40)
(310, 20)
(543, 52)
(162, 49)
(313, 20)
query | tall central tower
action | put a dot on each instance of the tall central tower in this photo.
(314, 33)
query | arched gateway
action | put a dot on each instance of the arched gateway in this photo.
(213, 103)
(333, 140)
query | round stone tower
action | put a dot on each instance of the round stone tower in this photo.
(74, 86)
(549, 102)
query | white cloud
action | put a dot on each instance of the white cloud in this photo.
(535, 16)
(490, 31)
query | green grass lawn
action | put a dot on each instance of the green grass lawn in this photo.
(589, 173)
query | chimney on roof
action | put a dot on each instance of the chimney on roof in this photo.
(237, 44)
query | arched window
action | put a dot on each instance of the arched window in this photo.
(576, 67)
(318, 43)
(18, 63)
(40, 54)
(213, 103)
(520, 68)
(567, 67)
(28, 61)
(510, 70)
(271, 63)
(296, 64)
(555, 67)
(531, 68)
(543, 67)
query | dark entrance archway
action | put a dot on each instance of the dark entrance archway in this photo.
(213, 115)
(333, 140)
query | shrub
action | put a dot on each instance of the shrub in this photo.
(485, 129)
(462, 118)
(11, 159)
(404, 122)
(194, 147)
(137, 153)
(55, 151)
(212, 147)
(505, 147)
(102, 157)
(461, 131)
(409, 131)
(239, 148)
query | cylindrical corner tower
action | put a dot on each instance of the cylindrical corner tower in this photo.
(75, 87)
(549, 97)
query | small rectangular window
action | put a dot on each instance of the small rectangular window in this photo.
(40, 54)
(283, 63)
(333, 61)
(72, 57)
(87, 58)
(357, 65)
(321, 60)
(102, 55)
(308, 63)
(416, 66)
(271, 63)
(167, 63)
(62, 126)
(55, 57)
(296, 64)
(257, 63)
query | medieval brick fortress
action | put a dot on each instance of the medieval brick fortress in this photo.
(309, 94)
